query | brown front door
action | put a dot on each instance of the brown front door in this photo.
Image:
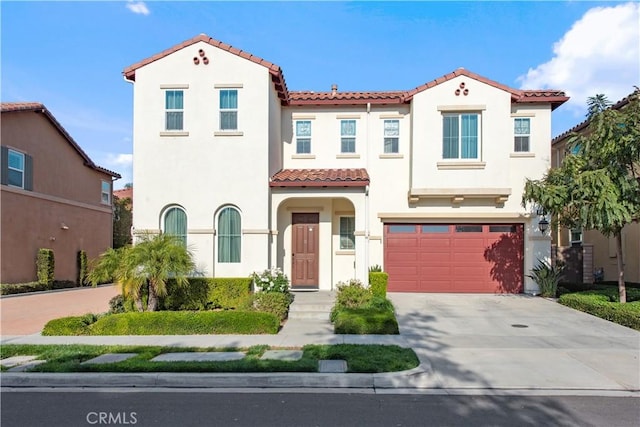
(304, 250)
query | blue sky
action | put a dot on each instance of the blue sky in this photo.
(70, 55)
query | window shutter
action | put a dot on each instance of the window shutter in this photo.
(5, 165)
(28, 172)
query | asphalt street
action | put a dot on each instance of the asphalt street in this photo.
(162, 407)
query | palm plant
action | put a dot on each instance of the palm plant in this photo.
(147, 265)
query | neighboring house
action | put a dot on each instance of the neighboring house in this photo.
(426, 182)
(590, 249)
(122, 216)
(52, 196)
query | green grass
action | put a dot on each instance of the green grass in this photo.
(360, 358)
(603, 303)
(166, 323)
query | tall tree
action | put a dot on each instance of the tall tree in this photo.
(597, 187)
(146, 266)
(597, 104)
(122, 221)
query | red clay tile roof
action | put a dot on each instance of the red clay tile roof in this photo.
(125, 193)
(9, 107)
(324, 98)
(276, 73)
(580, 126)
(320, 178)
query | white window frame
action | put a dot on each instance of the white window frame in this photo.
(303, 138)
(517, 135)
(352, 246)
(391, 138)
(104, 193)
(228, 109)
(173, 110)
(10, 168)
(576, 231)
(459, 157)
(348, 137)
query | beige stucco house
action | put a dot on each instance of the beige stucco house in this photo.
(591, 248)
(52, 196)
(425, 182)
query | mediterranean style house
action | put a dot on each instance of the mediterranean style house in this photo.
(52, 196)
(425, 182)
(590, 249)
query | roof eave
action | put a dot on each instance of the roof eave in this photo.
(359, 183)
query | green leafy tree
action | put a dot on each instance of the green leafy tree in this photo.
(146, 266)
(597, 186)
(597, 104)
(122, 221)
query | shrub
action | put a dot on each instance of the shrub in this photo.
(273, 302)
(273, 280)
(117, 304)
(378, 283)
(21, 288)
(83, 268)
(365, 321)
(229, 292)
(207, 293)
(74, 325)
(375, 269)
(599, 304)
(186, 323)
(45, 264)
(547, 277)
(352, 294)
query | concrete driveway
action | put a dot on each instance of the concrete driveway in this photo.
(28, 313)
(516, 341)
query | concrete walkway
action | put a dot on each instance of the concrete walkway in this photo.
(466, 344)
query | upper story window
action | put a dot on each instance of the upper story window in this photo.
(229, 109)
(460, 136)
(174, 110)
(347, 232)
(16, 168)
(229, 235)
(105, 193)
(347, 136)
(521, 134)
(175, 224)
(391, 136)
(303, 136)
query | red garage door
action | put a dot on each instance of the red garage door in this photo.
(479, 258)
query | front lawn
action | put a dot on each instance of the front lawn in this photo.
(359, 358)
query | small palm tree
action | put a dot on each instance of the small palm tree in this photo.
(597, 104)
(146, 265)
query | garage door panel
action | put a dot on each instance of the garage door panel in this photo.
(430, 259)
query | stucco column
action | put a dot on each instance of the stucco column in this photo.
(537, 246)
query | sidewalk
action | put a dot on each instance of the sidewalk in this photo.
(467, 344)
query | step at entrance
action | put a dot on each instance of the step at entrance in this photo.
(312, 305)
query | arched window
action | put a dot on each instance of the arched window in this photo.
(175, 223)
(229, 235)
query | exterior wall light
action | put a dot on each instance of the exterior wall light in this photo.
(543, 225)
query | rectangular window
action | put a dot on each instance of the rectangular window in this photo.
(16, 169)
(174, 110)
(435, 228)
(106, 193)
(303, 137)
(521, 134)
(468, 229)
(460, 136)
(229, 109)
(393, 229)
(347, 136)
(391, 136)
(347, 232)
(575, 235)
(502, 229)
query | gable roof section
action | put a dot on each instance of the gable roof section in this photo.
(320, 178)
(9, 107)
(276, 72)
(580, 126)
(330, 98)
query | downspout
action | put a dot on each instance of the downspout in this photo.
(366, 201)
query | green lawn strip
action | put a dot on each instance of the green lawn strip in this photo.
(166, 323)
(360, 358)
(603, 303)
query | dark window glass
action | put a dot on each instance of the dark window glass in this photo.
(502, 228)
(468, 229)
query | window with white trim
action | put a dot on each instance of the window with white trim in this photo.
(228, 109)
(105, 192)
(16, 168)
(391, 136)
(174, 110)
(347, 136)
(575, 235)
(303, 137)
(461, 136)
(175, 224)
(347, 232)
(521, 134)
(229, 235)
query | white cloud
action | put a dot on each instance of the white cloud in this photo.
(599, 54)
(138, 7)
(118, 162)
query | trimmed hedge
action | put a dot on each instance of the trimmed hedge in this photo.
(378, 283)
(45, 264)
(83, 268)
(598, 303)
(272, 302)
(23, 288)
(168, 323)
(365, 321)
(207, 293)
